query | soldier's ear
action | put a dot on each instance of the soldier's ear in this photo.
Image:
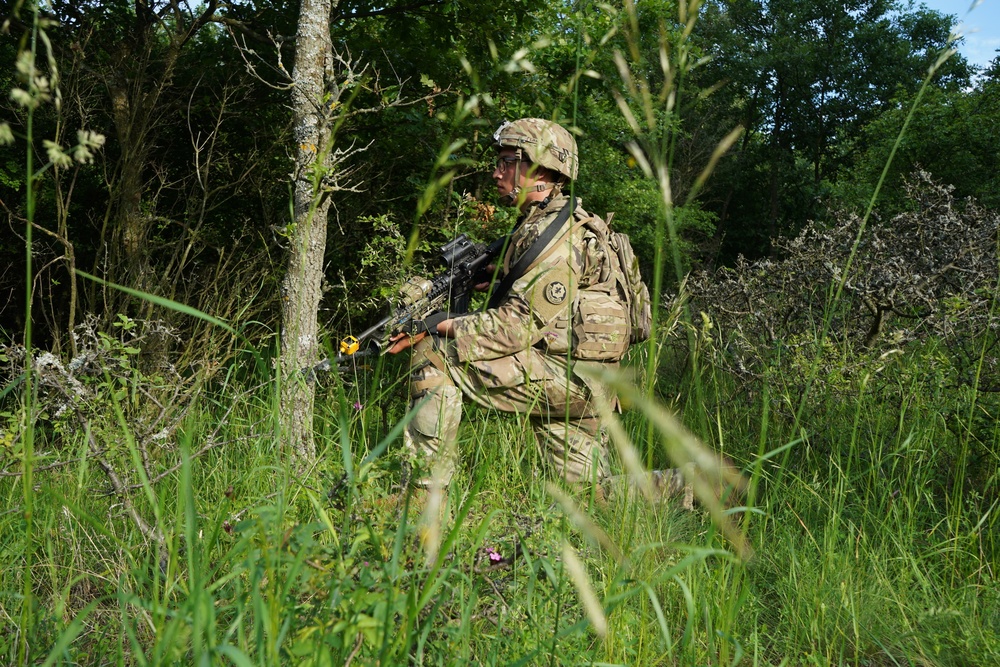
(546, 175)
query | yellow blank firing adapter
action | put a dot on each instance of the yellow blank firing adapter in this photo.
(349, 345)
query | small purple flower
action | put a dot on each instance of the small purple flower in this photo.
(495, 556)
(357, 405)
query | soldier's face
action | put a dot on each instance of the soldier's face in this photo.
(503, 173)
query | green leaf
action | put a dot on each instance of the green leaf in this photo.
(236, 656)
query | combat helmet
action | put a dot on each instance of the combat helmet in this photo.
(543, 142)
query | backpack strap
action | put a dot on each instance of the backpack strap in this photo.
(525, 261)
(554, 246)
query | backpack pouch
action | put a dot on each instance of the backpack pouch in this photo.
(601, 326)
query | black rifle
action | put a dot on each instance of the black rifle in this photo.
(424, 303)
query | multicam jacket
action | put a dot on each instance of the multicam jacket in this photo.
(561, 304)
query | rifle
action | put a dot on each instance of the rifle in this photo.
(424, 303)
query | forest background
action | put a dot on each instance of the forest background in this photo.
(811, 188)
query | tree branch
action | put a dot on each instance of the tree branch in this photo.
(388, 11)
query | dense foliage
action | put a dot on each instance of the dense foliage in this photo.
(190, 184)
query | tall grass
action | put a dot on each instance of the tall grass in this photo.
(854, 563)
(858, 542)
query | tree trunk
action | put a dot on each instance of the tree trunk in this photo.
(137, 111)
(778, 141)
(302, 284)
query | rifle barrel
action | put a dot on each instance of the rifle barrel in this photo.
(375, 328)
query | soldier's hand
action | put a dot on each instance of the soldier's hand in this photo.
(482, 287)
(403, 341)
(446, 328)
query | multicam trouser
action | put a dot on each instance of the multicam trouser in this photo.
(560, 405)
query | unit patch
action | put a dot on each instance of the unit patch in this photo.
(555, 292)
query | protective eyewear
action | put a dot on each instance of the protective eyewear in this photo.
(502, 162)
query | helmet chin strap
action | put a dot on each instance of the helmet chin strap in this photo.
(515, 194)
(556, 191)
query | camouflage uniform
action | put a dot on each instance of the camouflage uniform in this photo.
(517, 357)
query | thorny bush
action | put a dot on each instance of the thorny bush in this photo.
(915, 316)
(925, 281)
(110, 375)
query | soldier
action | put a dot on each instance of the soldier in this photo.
(557, 310)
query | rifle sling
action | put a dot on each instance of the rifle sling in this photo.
(555, 246)
(525, 261)
(429, 323)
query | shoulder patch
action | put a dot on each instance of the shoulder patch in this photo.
(548, 290)
(555, 292)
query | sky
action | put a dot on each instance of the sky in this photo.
(981, 26)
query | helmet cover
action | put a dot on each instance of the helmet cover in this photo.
(545, 143)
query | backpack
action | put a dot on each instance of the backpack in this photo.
(617, 304)
(631, 284)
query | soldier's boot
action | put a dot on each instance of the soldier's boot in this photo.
(663, 484)
(670, 483)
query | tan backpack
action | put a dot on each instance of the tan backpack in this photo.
(611, 314)
(615, 312)
(632, 289)
(636, 292)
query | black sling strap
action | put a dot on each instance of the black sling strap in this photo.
(525, 261)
